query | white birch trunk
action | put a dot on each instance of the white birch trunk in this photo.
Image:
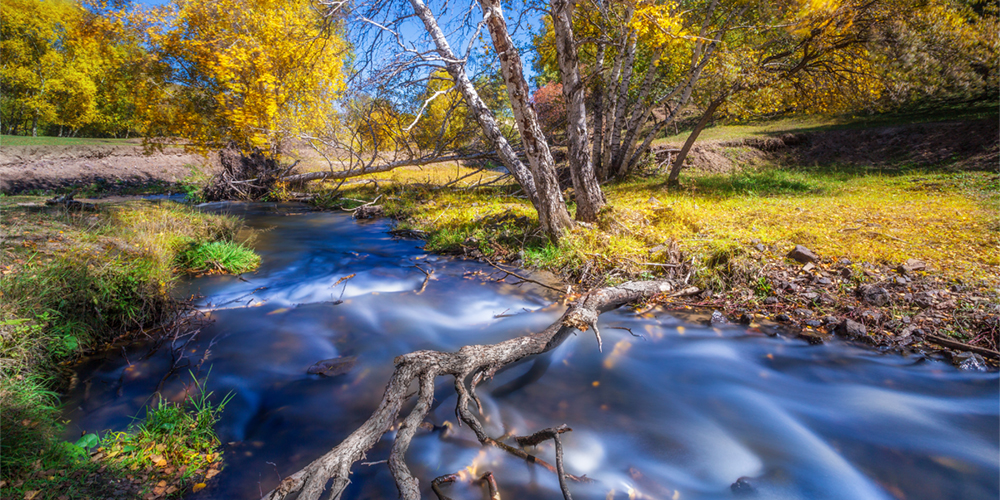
(552, 213)
(589, 198)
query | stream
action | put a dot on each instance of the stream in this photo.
(676, 409)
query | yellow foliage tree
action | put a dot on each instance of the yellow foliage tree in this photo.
(252, 74)
(442, 119)
(47, 67)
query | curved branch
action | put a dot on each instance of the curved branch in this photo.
(478, 361)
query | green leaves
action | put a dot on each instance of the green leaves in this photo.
(87, 441)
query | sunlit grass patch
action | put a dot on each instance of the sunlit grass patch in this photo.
(218, 256)
(941, 218)
(947, 219)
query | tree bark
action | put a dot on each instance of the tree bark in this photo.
(639, 117)
(589, 198)
(675, 170)
(478, 362)
(599, 167)
(552, 213)
(34, 125)
(487, 121)
(621, 107)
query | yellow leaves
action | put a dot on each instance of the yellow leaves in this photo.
(198, 487)
(269, 69)
(660, 25)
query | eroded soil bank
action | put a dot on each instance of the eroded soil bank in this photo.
(107, 167)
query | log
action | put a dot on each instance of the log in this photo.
(475, 362)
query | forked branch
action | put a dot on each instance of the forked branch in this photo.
(472, 364)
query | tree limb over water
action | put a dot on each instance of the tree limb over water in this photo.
(475, 362)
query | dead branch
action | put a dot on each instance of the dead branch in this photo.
(553, 434)
(491, 484)
(344, 174)
(475, 362)
(518, 276)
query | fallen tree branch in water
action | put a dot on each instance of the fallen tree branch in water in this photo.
(478, 362)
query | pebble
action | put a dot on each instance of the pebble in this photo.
(874, 295)
(771, 300)
(743, 487)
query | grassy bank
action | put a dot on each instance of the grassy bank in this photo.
(73, 281)
(728, 234)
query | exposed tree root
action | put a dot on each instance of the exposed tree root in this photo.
(469, 366)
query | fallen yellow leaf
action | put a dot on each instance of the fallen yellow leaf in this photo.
(198, 487)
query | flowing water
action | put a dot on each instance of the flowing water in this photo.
(679, 413)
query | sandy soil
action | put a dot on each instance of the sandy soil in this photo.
(24, 168)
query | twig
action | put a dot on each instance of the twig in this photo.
(522, 278)
(491, 484)
(438, 481)
(954, 344)
(553, 434)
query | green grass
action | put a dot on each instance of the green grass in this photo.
(171, 448)
(72, 281)
(218, 256)
(23, 140)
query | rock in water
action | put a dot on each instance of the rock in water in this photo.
(803, 255)
(969, 361)
(333, 366)
(718, 319)
(743, 487)
(874, 295)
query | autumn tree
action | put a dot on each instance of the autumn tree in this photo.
(831, 56)
(47, 68)
(252, 74)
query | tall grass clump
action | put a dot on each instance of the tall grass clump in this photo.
(218, 256)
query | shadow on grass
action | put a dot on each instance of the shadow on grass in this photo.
(761, 183)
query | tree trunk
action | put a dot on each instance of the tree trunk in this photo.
(589, 198)
(675, 170)
(552, 213)
(640, 113)
(34, 125)
(599, 166)
(621, 107)
(487, 121)
(693, 77)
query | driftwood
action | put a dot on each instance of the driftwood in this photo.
(469, 366)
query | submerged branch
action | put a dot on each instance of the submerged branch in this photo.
(475, 362)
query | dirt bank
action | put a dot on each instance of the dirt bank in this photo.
(26, 168)
(965, 145)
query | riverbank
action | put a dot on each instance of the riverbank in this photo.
(74, 279)
(900, 255)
